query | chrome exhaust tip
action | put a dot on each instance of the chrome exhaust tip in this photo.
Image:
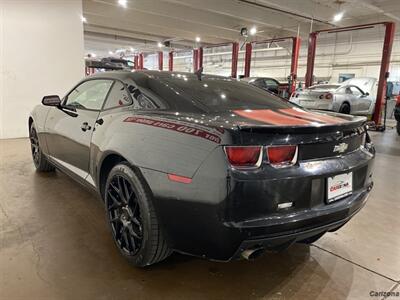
(250, 254)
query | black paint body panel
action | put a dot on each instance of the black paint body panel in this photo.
(223, 210)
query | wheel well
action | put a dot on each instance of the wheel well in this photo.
(108, 163)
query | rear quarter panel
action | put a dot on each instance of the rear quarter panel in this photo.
(155, 142)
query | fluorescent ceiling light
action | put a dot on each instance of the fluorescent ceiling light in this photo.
(198, 39)
(253, 30)
(83, 19)
(123, 2)
(159, 44)
(338, 17)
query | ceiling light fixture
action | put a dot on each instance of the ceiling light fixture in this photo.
(160, 45)
(110, 52)
(253, 30)
(83, 19)
(198, 39)
(132, 49)
(123, 3)
(338, 17)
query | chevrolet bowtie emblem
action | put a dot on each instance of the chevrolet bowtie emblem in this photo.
(341, 147)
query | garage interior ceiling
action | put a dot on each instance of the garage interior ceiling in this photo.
(141, 24)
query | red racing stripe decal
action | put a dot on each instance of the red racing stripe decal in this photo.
(317, 117)
(201, 133)
(271, 117)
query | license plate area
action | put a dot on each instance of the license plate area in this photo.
(339, 186)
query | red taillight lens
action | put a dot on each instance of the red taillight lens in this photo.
(327, 96)
(282, 155)
(243, 156)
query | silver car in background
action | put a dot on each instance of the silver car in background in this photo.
(354, 96)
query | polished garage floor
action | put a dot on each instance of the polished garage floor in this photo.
(55, 244)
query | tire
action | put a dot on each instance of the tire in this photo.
(345, 109)
(132, 218)
(398, 128)
(39, 159)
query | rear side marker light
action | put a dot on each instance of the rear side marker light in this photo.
(180, 179)
(244, 156)
(282, 156)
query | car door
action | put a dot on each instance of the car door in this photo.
(362, 101)
(69, 134)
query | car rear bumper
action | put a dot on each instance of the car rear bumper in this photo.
(314, 223)
(219, 215)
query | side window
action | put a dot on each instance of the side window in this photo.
(259, 83)
(141, 101)
(348, 90)
(89, 95)
(118, 96)
(355, 91)
(270, 83)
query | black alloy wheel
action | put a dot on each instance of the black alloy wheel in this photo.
(133, 221)
(35, 149)
(124, 215)
(39, 159)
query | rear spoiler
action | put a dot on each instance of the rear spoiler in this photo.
(354, 122)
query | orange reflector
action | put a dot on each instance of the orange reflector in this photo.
(180, 179)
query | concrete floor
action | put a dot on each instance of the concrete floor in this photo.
(55, 244)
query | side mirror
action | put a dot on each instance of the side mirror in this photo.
(52, 100)
(366, 94)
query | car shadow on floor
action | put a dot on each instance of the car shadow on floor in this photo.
(74, 242)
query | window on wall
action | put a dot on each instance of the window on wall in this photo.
(118, 96)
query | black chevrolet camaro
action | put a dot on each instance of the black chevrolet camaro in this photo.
(204, 165)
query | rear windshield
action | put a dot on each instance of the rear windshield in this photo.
(213, 93)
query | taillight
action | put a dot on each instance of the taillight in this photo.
(244, 156)
(327, 96)
(282, 156)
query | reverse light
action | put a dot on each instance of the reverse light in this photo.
(282, 156)
(244, 156)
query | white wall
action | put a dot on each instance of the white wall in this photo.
(41, 52)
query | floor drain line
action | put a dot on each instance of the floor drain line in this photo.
(354, 263)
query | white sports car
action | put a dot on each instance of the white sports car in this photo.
(354, 96)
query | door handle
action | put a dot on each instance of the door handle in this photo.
(85, 126)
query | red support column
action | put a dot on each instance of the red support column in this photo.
(141, 61)
(312, 44)
(200, 57)
(160, 60)
(295, 62)
(386, 53)
(247, 60)
(235, 57)
(171, 61)
(136, 62)
(195, 60)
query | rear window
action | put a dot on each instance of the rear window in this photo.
(220, 93)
